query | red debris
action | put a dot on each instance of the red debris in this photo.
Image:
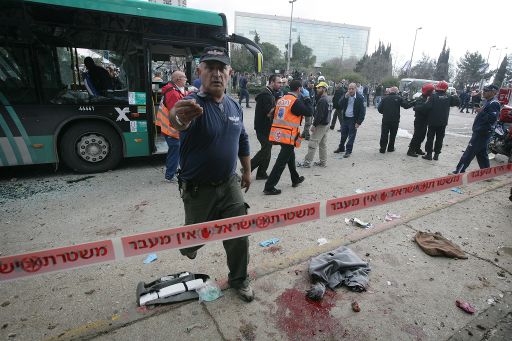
(468, 308)
(355, 307)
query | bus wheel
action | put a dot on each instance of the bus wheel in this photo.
(91, 147)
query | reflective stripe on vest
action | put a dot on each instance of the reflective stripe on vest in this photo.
(163, 117)
(163, 121)
(285, 126)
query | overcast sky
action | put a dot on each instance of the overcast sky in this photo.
(467, 24)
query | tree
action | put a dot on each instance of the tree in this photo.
(390, 81)
(502, 71)
(471, 69)
(441, 72)
(272, 57)
(378, 65)
(334, 68)
(354, 77)
(257, 38)
(302, 56)
(241, 59)
(425, 68)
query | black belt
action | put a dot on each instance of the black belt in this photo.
(202, 183)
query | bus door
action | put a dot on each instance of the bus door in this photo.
(164, 60)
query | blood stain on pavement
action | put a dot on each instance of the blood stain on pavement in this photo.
(302, 318)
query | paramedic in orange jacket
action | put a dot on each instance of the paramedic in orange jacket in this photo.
(285, 131)
(171, 93)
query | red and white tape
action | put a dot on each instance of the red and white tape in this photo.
(75, 256)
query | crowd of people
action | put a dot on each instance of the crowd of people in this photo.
(206, 135)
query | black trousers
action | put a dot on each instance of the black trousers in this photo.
(336, 115)
(286, 157)
(420, 131)
(436, 132)
(388, 135)
(262, 158)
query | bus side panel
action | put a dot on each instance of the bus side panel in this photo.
(137, 144)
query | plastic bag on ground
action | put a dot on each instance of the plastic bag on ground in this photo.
(403, 133)
(209, 292)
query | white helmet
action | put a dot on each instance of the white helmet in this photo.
(321, 79)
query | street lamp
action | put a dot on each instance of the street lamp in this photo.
(343, 45)
(290, 38)
(487, 65)
(413, 45)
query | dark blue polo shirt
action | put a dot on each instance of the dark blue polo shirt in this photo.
(209, 148)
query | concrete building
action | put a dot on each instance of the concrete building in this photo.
(325, 38)
(182, 3)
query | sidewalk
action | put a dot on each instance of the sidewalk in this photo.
(411, 295)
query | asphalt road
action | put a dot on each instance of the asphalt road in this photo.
(42, 208)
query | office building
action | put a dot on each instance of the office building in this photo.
(325, 38)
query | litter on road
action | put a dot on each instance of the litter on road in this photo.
(391, 216)
(269, 242)
(336, 268)
(322, 241)
(170, 289)
(209, 292)
(468, 308)
(356, 307)
(434, 244)
(150, 258)
(358, 222)
(457, 190)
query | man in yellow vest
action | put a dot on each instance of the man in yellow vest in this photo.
(171, 93)
(285, 131)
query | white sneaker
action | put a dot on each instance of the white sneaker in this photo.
(319, 164)
(246, 293)
(304, 164)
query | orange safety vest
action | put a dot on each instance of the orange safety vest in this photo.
(286, 126)
(162, 117)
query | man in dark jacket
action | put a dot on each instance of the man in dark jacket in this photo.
(338, 95)
(353, 111)
(465, 97)
(482, 129)
(244, 92)
(389, 107)
(438, 108)
(420, 121)
(263, 114)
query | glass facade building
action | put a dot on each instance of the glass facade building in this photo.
(325, 38)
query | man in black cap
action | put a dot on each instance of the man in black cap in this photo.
(212, 136)
(482, 129)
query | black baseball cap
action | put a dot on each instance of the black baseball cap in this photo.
(491, 87)
(215, 53)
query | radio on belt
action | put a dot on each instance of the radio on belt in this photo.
(170, 289)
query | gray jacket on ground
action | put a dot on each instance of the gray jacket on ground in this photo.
(340, 267)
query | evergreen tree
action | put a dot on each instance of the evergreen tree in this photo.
(378, 65)
(424, 69)
(302, 56)
(471, 69)
(502, 71)
(441, 72)
(256, 38)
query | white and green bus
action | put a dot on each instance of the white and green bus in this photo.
(49, 114)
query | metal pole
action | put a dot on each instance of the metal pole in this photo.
(487, 63)
(290, 39)
(412, 53)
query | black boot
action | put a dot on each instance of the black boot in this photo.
(427, 156)
(410, 152)
(420, 152)
(436, 156)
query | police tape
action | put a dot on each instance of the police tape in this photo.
(75, 256)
